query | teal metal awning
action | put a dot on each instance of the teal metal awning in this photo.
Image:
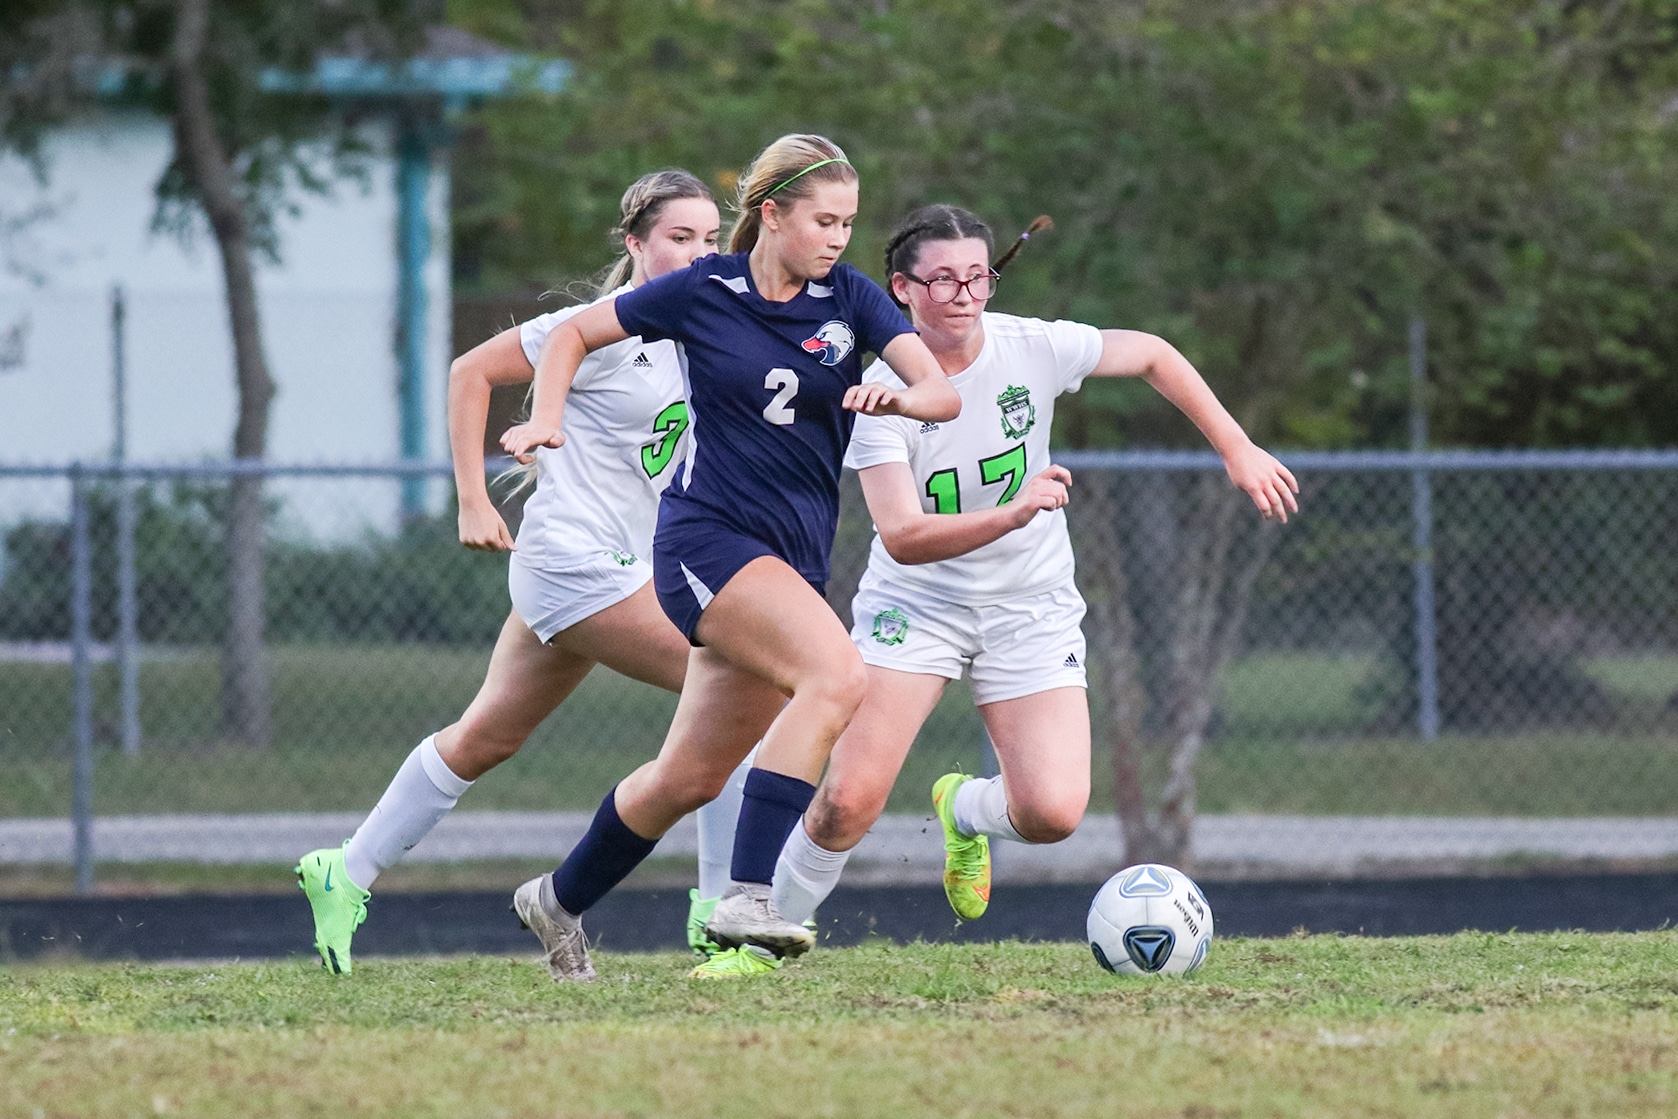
(420, 92)
(456, 70)
(455, 80)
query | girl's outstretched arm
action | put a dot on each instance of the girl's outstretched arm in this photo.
(556, 367)
(1253, 470)
(929, 396)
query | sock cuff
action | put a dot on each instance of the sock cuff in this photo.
(801, 850)
(778, 788)
(608, 817)
(981, 808)
(448, 782)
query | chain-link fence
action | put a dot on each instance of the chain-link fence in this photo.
(1435, 635)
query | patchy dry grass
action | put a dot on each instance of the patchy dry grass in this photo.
(1464, 1026)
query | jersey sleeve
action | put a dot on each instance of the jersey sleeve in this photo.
(534, 332)
(658, 308)
(879, 439)
(878, 319)
(1077, 349)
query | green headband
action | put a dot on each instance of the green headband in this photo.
(806, 171)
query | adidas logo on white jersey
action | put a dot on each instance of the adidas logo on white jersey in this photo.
(927, 426)
(642, 361)
(1071, 660)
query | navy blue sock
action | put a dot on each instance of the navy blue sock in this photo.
(607, 853)
(773, 804)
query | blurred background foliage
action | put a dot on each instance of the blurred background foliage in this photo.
(1274, 185)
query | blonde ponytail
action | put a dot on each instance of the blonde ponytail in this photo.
(786, 170)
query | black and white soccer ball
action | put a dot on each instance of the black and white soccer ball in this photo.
(1150, 919)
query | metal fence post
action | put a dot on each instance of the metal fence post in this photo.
(128, 644)
(81, 671)
(1421, 542)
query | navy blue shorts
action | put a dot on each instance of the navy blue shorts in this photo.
(694, 557)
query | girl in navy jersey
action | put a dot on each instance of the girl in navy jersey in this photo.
(581, 572)
(772, 336)
(971, 569)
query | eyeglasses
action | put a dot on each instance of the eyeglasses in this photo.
(944, 289)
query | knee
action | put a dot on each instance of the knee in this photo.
(841, 815)
(475, 750)
(844, 683)
(707, 786)
(689, 791)
(1048, 823)
(679, 800)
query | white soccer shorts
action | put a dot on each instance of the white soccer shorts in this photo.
(1013, 649)
(550, 600)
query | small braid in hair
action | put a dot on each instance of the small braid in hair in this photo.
(1038, 224)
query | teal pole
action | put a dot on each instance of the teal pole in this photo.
(414, 249)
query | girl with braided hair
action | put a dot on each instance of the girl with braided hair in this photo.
(580, 575)
(971, 569)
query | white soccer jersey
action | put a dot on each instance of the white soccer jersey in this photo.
(625, 428)
(981, 458)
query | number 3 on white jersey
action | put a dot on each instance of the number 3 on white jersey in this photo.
(779, 410)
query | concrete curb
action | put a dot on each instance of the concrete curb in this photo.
(900, 848)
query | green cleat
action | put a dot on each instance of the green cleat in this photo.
(339, 905)
(966, 857)
(699, 911)
(737, 963)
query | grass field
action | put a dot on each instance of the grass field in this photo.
(346, 715)
(1466, 1026)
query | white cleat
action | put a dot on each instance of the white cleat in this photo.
(560, 933)
(747, 915)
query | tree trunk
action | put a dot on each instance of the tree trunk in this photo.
(1112, 630)
(1200, 558)
(246, 716)
(1219, 561)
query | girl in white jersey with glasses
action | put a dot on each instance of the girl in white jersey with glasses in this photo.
(971, 569)
(581, 571)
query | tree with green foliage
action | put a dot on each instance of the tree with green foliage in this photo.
(239, 151)
(1276, 187)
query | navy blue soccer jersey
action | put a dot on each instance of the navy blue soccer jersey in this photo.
(765, 385)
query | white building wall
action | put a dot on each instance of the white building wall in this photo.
(328, 318)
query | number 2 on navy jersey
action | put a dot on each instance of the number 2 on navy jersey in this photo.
(1008, 466)
(668, 427)
(779, 410)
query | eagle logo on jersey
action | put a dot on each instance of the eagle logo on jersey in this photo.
(833, 343)
(1019, 414)
(891, 626)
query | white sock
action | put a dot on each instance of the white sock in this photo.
(804, 875)
(421, 793)
(981, 808)
(716, 831)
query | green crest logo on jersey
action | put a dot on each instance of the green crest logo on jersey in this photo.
(891, 626)
(1018, 412)
(624, 559)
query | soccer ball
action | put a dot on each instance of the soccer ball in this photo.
(1150, 919)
